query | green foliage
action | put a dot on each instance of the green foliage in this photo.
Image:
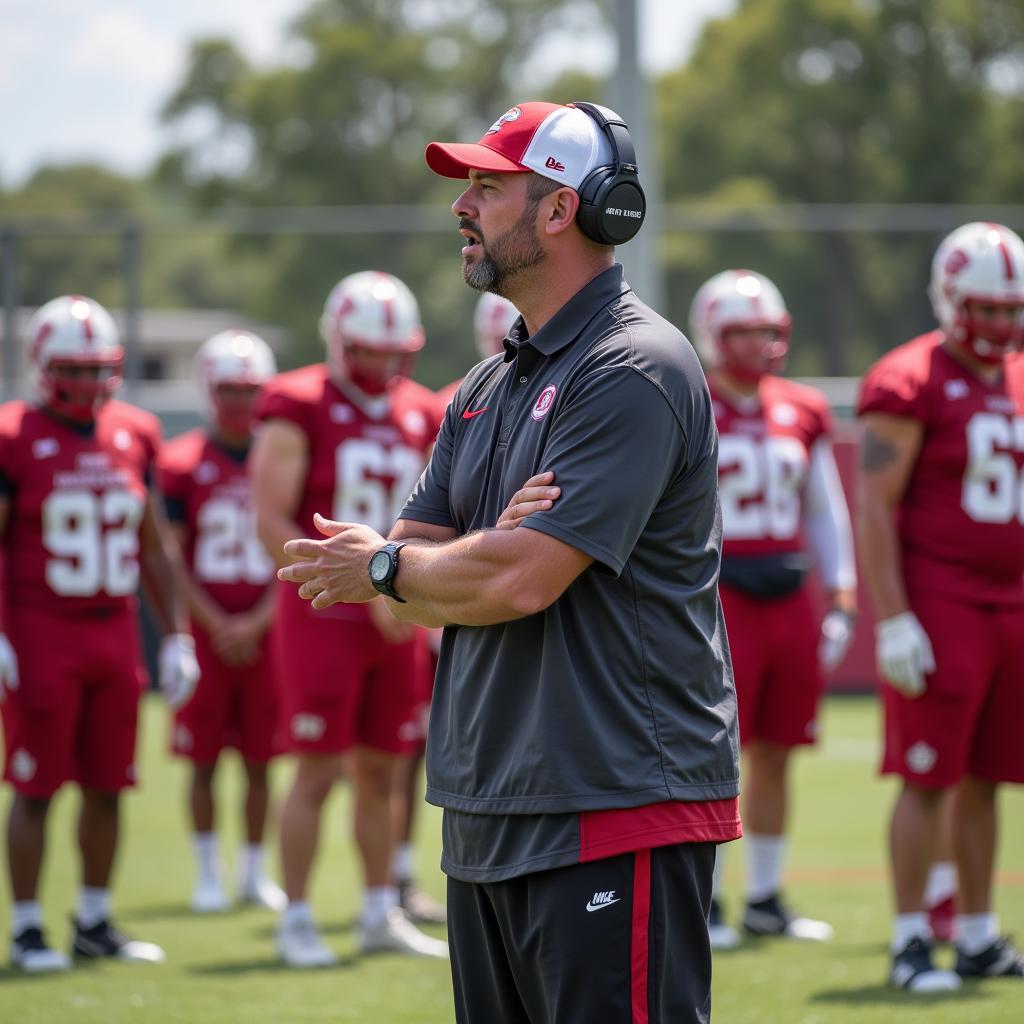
(828, 101)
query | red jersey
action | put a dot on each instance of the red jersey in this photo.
(77, 498)
(763, 457)
(362, 467)
(961, 519)
(207, 490)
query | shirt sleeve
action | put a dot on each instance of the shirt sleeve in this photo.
(891, 387)
(615, 447)
(276, 405)
(429, 501)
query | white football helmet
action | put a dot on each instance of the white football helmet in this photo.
(66, 336)
(985, 263)
(376, 312)
(739, 299)
(493, 318)
(232, 367)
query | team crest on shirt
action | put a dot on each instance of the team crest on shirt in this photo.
(921, 758)
(206, 472)
(544, 402)
(957, 388)
(45, 448)
(308, 727)
(784, 414)
(122, 439)
(23, 765)
(342, 413)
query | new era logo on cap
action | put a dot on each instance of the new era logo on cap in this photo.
(555, 140)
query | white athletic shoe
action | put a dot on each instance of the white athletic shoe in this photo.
(30, 953)
(397, 934)
(722, 935)
(299, 945)
(208, 897)
(264, 893)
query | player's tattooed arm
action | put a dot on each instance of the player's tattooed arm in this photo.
(876, 452)
(888, 453)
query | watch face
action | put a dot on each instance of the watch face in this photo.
(380, 565)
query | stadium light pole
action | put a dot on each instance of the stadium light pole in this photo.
(629, 94)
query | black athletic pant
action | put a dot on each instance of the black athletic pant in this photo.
(616, 941)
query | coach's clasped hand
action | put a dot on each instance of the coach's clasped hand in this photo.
(904, 653)
(8, 667)
(178, 669)
(333, 570)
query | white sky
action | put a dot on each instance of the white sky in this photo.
(84, 79)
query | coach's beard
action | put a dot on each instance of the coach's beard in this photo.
(510, 254)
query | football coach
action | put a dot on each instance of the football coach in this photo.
(583, 735)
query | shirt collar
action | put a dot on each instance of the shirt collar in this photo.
(568, 323)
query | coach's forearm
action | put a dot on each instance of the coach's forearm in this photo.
(476, 580)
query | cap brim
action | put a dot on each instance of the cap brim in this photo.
(457, 159)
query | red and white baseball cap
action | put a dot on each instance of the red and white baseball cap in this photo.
(556, 140)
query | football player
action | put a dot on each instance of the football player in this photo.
(231, 595)
(783, 510)
(80, 526)
(941, 531)
(347, 438)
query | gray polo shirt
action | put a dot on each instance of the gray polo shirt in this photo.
(620, 694)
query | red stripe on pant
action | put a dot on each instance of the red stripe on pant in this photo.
(641, 927)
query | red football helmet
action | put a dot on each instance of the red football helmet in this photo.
(746, 300)
(371, 325)
(76, 356)
(233, 361)
(982, 263)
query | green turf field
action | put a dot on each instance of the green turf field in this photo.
(221, 970)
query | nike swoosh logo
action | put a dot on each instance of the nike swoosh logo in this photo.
(591, 906)
(468, 415)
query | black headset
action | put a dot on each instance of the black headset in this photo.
(612, 203)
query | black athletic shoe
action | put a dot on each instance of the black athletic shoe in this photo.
(1000, 960)
(771, 918)
(913, 970)
(31, 953)
(104, 940)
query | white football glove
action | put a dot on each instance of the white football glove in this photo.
(8, 667)
(836, 637)
(179, 670)
(903, 653)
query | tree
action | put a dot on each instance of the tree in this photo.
(820, 101)
(344, 121)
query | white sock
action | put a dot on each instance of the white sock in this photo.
(941, 883)
(205, 846)
(25, 914)
(297, 910)
(716, 877)
(402, 863)
(250, 859)
(93, 906)
(765, 855)
(975, 932)
(909, 926)
(377, 901)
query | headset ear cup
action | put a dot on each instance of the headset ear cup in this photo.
(612, 207)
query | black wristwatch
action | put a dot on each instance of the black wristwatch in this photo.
(383, 569)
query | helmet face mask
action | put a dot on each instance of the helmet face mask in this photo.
(76, 357)
(740, 325)
(232, 368)
(977, 290)
(371, 326)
